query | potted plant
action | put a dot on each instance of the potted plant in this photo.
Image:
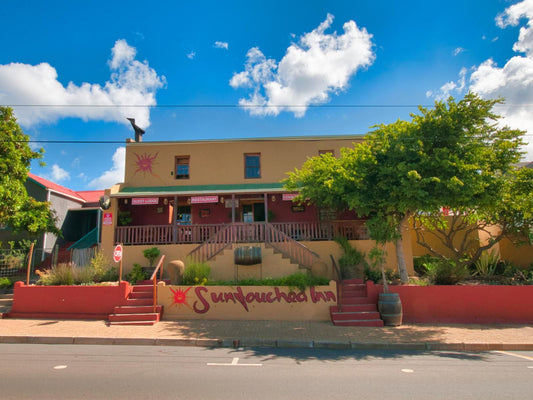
(151, 254)
(352, 263)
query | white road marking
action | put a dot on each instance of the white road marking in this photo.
(235, 363)
(514, 355)
(60, 367)
(408, 371)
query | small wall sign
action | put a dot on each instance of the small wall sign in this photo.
(108, 219)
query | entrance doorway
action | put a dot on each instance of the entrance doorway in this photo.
(253, 212)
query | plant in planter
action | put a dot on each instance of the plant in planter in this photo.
(151, 254)
(352, 263)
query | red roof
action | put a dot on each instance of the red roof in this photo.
(86, 196)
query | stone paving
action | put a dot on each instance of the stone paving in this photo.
(271, 334)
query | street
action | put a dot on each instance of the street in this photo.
(57, 372)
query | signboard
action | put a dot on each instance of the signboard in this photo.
(117, 253)
(108, 219)
(288, 196)
(204, 199)
(141, 201)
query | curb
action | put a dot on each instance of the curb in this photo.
(281, 344)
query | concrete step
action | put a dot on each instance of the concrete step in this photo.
(141, 295)
(355, 308)
(136, 309)
(349, 316)
(130, 323)
(140, 317)
(140, 302)
(349, 300)
(368, 323)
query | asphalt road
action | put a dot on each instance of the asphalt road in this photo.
(143, 372)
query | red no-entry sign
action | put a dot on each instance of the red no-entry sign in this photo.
(117, 253)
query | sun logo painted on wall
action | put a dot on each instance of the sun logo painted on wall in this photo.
(145, 163)
(179, 297)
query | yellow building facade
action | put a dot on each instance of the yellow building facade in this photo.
(205, 199)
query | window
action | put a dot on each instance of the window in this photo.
(182, 167)
(252, 166)
(320, 152)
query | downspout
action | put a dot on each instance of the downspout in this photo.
(233, 208)
(44, 234)
(99, 226)
(265, 199)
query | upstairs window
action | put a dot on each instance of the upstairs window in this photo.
(252, 166)
(182, 167)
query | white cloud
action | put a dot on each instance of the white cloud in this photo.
(458, 51)
(513, 81)
(58, 174)
(131, 82)
(221, 45)
(318, 65)
(113, 175)
(191, 55)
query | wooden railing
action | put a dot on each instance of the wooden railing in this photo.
(338, 280)
(214, 245)
(289, 247)
(240, 232)
(153, 278)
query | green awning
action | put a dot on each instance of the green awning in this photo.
(199, 189)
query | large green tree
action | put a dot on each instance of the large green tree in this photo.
(454, 155)
(17, 209)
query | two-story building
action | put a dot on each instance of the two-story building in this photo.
(203, 199)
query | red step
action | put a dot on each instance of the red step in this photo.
(139, 309)
(355, 308)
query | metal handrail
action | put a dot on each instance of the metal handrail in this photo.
(153, 278)
(338, 280)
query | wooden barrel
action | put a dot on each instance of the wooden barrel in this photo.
(247, 255)
(390, 308)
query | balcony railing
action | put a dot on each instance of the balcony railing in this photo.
(241, 232)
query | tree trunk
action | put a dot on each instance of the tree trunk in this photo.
(400, 257)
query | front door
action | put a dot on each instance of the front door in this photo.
(253, 212)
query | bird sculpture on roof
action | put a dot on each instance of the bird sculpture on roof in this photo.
(138, 130)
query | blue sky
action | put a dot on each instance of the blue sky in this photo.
(170, 58)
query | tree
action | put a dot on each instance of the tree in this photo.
(17, 209)
(453, 155)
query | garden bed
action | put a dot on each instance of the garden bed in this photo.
(462, 304)
(67, 302)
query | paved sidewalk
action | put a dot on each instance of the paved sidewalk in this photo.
(270, 334)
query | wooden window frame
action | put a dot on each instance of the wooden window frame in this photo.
(182, 176)
(246, 167)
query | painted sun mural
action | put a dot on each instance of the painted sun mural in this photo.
(145, 163)
(179, 297)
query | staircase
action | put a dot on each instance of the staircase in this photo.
(139, 309)
(355, 308)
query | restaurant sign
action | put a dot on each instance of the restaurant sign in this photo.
(204, 199)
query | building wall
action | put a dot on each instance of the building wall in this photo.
(152, 164)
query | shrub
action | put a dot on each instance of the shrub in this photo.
(446, 272)
(352, 262)
(137, 274)
(151, 254)
(298, 280)
(58, 275)
(104, 269)
(196, 273)
(487, 264)
(5, 282)
(372, 274)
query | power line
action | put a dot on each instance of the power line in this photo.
(239, 105)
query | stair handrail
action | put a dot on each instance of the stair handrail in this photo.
(296, 251)
(217, 245)
(153, 278)
(338, 281)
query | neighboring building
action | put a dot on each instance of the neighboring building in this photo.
(78, 216)
(203, 199)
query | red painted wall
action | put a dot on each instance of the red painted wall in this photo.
(83, 301)
(483, 304)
